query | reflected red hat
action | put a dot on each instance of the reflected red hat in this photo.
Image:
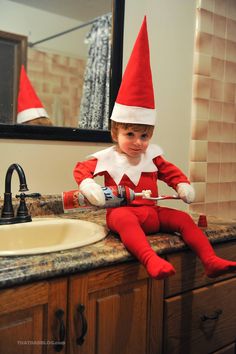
(135, 99)
(29, 105)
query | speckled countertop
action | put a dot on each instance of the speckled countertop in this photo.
(23, 269)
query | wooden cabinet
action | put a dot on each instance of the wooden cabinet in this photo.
(119, 309)
(32, 318)
(117, 306)
(106, 311)
(199, 313)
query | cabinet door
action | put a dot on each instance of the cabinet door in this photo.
(116, 307)
(28, 321)
(202, 320)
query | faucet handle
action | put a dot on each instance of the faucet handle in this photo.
(22, 211)
(30, 195)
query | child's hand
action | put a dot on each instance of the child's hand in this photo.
(186, 192)
(92, 191)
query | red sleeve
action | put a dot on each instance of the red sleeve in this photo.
(169, 173)
(84, 170)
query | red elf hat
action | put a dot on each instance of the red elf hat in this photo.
(29, 105)
(135, 100)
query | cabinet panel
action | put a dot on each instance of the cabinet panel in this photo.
(231, 349)
(28, 321)
(190, 272)
(121, 319)
(201, 321)
(22, 332)
(116, 309)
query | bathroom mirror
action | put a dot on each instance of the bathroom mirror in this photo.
(76, 133)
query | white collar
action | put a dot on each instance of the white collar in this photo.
(118, 164)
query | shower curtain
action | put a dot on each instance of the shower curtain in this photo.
(94, 108)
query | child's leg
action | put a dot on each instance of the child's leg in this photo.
(131, 228)
(172, 220)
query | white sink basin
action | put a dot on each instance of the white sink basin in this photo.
(44, 235)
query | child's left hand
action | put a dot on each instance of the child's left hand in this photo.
(186, 192)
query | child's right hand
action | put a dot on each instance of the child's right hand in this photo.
(92, 191)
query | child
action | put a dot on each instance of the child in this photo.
(137, 164)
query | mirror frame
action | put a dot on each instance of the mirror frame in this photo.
(18, 131)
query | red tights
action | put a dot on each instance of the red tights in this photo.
(133, 223)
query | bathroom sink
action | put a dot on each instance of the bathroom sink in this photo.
(44, 235)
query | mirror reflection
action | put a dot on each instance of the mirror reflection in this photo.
(68, 57)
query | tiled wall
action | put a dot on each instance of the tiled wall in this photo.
(213, 144)
(58, 81)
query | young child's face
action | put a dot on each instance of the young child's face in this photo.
(133, 142)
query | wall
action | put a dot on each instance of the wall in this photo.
(49, 165)
(58, 81)
(213, 145)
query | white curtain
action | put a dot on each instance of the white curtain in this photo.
(94, 108)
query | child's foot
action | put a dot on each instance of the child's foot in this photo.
(158, 268)
(217, 266)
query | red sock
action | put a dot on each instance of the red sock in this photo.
(127, 224)
(177, 221)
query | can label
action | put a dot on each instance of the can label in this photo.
(114, 197)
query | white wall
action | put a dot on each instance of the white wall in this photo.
(48, 165)
(37, 24)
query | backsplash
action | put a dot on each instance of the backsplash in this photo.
(213, 140)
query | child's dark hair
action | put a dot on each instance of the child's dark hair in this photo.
(136, 127)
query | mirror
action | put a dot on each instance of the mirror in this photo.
(73, 131)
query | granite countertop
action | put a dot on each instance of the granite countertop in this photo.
(24, 269)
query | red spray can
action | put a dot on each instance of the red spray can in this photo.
(115, 196)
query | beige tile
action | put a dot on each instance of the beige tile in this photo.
(212, 209)
(212, 192)
(219, 27)
(217, 68)
(232, 210)
(198, 150)
(203, 43)
(228, 112)
(201, 87)
(231, 9)
(215, 110)
(200, 191)
(224, 210)
(225, 191)
(216, 90)
(198, 171)
(214, 131)
(205, 21)
(226, 152)
(226, 172)
(228, 132)
(229, 92)
(200, 108)
(197, 208)
(234, 172)
(207, 4)
(199, 129)
(213, 172)
(213, 152)
(233, 190)
(218, 47)
(231, 29)
(234, 153)
(220, 7)
(231, 51)
(202, 64)
(230, 72)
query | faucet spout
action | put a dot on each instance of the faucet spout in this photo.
(23, 185)
(7, 216)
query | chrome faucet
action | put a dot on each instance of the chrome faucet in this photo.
(22, 215)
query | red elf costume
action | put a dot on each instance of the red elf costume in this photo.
(135, 105)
